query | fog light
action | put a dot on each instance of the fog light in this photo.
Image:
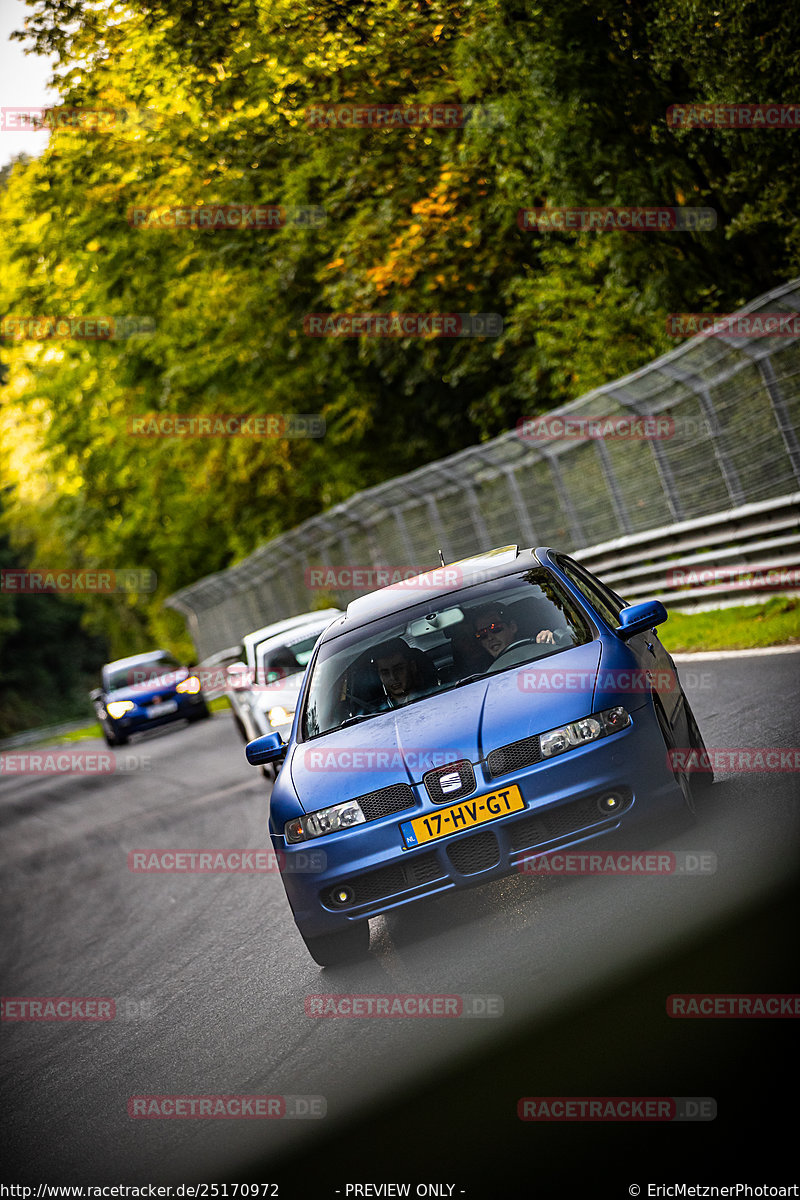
(342, 896)
(609, 803)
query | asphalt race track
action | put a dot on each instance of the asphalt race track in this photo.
(210, 980)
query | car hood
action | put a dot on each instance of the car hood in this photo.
(164, 684)
(465, 723)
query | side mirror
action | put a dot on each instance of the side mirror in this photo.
(638, 617)
(270, 748)
(238, 675)
(96, 694)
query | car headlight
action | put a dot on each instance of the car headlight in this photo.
(190, 686)
(279, 716)
(324, 820)
(587, 729)
(118, 708)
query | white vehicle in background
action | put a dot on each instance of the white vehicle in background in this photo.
(263, 689)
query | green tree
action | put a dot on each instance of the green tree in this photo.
(417, 219)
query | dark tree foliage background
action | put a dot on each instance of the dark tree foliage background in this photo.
(418, 219)
(47, 660)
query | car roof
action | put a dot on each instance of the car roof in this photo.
(439, 581)
(151, 656)
(295, 634)
(261, 635)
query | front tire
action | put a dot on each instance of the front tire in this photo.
(335, 949)
(703, 779)
(114, 739)
(681, 776)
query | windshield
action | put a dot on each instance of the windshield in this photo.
(287, 655)
(142, 672)
(473, 633)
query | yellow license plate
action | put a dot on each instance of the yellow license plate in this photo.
(466, 815)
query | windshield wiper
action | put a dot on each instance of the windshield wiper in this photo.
(467, 679)
(353, 720)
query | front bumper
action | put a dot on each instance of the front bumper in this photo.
(137, 720)
(561, 809)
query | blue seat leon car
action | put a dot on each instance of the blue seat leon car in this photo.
(143, 692)
(454, 726)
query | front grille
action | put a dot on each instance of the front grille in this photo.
(389, 881)
(433, 781)
(393, 799)
(564, 819)
(477, 853)
(514, 756)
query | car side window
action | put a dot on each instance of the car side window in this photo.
(607, 603)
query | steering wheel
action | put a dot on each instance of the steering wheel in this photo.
(353, 700)
(519, 642)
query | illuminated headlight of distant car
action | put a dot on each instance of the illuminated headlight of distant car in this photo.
(324, 820)
(279, 716)
(118, 708)
(588, 729)
(190, 686)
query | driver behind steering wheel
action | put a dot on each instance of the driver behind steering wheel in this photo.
(496, 631)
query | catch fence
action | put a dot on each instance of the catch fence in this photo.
(722, 412)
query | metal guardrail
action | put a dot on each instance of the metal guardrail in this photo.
(735, 402)
(736, 557)
(43, 734)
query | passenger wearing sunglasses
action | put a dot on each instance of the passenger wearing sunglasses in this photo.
(495, 630)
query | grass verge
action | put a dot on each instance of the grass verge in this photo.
(745, 627)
